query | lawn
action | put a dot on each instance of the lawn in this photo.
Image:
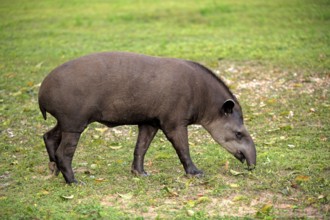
(274, 55)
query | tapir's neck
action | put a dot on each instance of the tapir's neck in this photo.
(216, 93)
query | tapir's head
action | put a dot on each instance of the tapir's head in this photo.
(227, 128)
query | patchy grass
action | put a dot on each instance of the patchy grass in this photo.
(274, 55)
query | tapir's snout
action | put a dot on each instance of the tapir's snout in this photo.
(249, 154)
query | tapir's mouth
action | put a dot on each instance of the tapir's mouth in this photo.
(241, 157)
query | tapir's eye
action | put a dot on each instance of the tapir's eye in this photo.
(239, 135)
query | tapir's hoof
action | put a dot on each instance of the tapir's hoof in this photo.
(76, 183)
(53, 168)
(142, 174)
(80, 183)
(196, 174)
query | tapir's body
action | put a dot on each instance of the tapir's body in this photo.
(131, 89)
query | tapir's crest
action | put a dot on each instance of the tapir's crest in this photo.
(154, 93)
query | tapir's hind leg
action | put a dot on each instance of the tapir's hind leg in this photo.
(146, 134)
(64, 155)
(52, 141)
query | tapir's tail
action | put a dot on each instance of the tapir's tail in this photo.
(43, 111)
(41, 99)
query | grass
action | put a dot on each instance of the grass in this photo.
(273, 54)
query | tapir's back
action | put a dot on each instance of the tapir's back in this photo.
(103, 68)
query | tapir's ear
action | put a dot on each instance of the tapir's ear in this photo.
(227, 107)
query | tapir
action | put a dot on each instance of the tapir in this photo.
(122, 88)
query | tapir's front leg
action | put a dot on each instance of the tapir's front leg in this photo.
(179, 139)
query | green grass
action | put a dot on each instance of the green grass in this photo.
(273, 54)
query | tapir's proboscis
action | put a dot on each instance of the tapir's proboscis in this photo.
(121, 88)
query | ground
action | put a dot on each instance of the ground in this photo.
(274, 56)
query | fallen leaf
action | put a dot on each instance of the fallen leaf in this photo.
(115, 147)
(10, 75)
(297, 85)
(67, 197)
(190, 212)
(264, 211)
(170, 191)
(136, 179)
(38, 66)
(192, 144)
(285, 206)
(236, 173)
(226, 165)
(302, 178)
(126, 196)
(311, 200)
(10, 133)
(203, 199)
(234, 185)
(101, 130)
(100, 179)
(191, 203)
(271, 101)
(16, 93)
(271, 142)
(84, 170)
(284, 113)
(44, 192)
(30, 84)
(95, 136)
(239, 198)
(93, 166)
(266, 208)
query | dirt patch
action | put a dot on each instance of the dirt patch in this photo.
(264, 81)
(234, 205)
(127, 205)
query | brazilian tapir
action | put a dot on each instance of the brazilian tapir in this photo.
(121, 88)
